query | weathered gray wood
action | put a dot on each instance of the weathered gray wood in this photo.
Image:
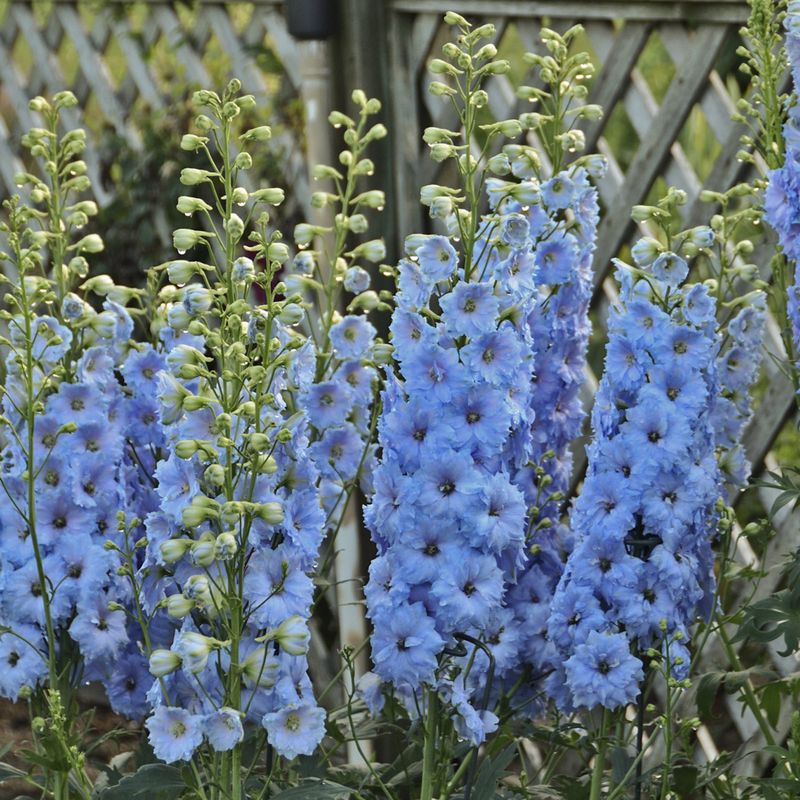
(696, 10)
(611, 80)
(649, 159)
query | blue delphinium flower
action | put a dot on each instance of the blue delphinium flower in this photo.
(78, 463)
(640, 570)
(782, 196)
(174, 733)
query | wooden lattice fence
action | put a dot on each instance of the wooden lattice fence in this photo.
(668, 124)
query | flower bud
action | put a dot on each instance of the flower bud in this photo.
(192, 177)
(271, 513)
(292, 636)
(259, 669)
(191, 142)
(179, 606)
(173, 550)
(225, 546)
(203, 551)
(235, 227)
(89, 244)
(194, 650)
(243, 161)
(189, 205)
(163, 662)
(261, 133)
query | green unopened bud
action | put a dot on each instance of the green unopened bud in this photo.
(272, 196)
(226, 546)
(190, 205)
(203, 551)
(179, 606)
(243, 161)
(191, 142)
(235, 227)
(259, 669)
(89, 244)
(192, 177)
(271, 513)
(173, 550)
(262, 133)
(292, 636)
(163, 662)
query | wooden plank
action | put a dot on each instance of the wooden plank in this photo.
(46, 65)
(96, 74)
(610, 81)
(405, 126)
(137, 67)
(654, 149)
(695, 10)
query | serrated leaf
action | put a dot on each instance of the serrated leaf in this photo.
(150, 782)
(490, 773)
(315, 790)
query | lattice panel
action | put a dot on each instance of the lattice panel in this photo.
(668, 80)
(121, 59)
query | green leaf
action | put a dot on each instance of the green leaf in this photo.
(490, 772)
(707, 690)
(150, 782)
(314, 790)
(8, 772)
(684, 779)
(771, 702)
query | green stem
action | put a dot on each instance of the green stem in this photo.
(748, 694)
(599, 761)
(429, 748)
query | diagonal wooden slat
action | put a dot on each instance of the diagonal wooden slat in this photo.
(653, 151)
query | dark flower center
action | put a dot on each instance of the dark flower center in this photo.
(60, 522)
(603, 668)
(469, 306)
(77, 404)
(469, 589)
(604, 564)
(473, 417)
(447, 487)
(431, 549)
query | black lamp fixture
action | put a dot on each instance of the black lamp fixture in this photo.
(311, 19)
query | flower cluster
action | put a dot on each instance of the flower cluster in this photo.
(560, 327)
(782, 197)
(62, 428)
(231, 516)
(448, 521)
(641, 569)
(340, 400)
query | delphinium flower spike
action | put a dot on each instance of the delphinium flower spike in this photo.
(224, 592)
(449, 515)
(330, 270)
(782, 197)
(642, 568)
(62, 446)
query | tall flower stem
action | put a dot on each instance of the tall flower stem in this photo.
(599, 760)
(60, 779)
(429, 749)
